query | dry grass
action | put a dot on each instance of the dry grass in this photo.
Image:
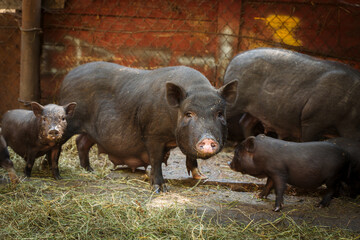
(95, 206)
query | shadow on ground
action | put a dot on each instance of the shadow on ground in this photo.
(232, 196)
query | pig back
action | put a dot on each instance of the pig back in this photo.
(119, 105)
(20, 130)
(282, 88)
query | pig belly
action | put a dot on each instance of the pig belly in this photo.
(131, 162)
(306, 181)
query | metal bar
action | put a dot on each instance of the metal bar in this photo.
(30, 51)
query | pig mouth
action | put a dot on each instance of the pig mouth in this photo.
(205, 156)
(53, 138)
(50, 139)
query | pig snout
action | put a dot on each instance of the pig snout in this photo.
(207, 146)
(54, 133)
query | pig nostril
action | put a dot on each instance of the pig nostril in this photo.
(54, 132)
(207, 145)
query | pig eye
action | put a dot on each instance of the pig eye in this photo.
(43, 119)
(63, 118)
(220, 115)
(189, 114)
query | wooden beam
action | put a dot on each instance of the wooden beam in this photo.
(30, 51)
(47, 4)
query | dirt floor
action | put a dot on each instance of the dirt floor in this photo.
(228, 195)
(225, 196)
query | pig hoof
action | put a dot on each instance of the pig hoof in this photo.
(322, 205)
(277, 209)
(200, 177)
(89, 169)
(157, 188)
(14, 180)
(160, 188)
(13, 177)
(262, 196)
(165, 188)
(197, 175)
(58, 177)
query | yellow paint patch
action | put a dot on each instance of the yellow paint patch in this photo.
(283, 27)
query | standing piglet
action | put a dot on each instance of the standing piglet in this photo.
(306, 165)
(352, 147)
(5, 161)
(32, 134)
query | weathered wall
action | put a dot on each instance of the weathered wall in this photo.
(201, 34)
(204, 35)
(9, 61)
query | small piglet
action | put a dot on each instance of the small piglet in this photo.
(32, 134)
(306, 165)
(352, 147)
(5, 161)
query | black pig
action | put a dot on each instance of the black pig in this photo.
(294, 95)
(353, 149)
(32, 134)
(5, 161)
(305, 165)
(136, 116)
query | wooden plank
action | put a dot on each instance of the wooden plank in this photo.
(47, 4)
(175, 9)
(118, 24)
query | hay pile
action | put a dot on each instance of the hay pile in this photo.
(95, 206)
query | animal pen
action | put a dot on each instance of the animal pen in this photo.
(43, 40)
(204, 35)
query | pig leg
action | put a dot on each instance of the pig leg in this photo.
(269, 185)
(156, 152)
(84, 143)
(192, 166)
(46, 164)
(166, 156)
(12, 175)
(54, 156)
(280, 186)
(8, 165)
(236, 133)
(332, 188)
(247, 123)
(30, 159)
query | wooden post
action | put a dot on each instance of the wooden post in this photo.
(30, 51)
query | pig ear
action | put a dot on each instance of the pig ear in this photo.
(37, 109)
(229, 91)
(70, 109)
(174, 94)
(250, 144)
